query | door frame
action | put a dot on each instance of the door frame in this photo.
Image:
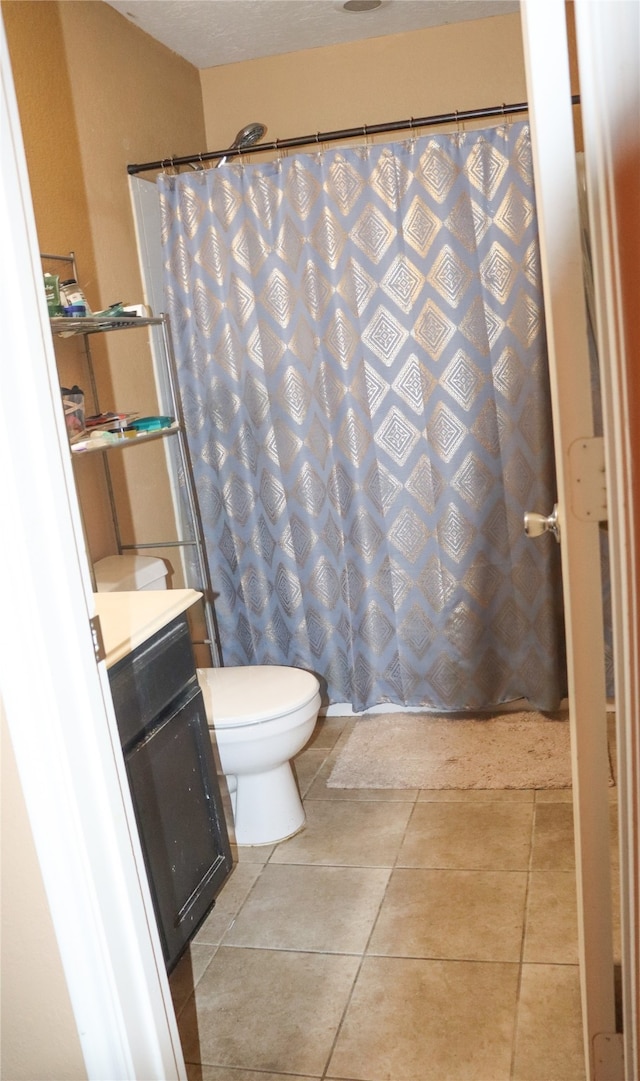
(547, 67)
(607, 38)
(56, 697)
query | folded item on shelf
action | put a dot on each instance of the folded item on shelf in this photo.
(98, 420)
(152, 424)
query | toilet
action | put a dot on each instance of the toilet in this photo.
(262, 716)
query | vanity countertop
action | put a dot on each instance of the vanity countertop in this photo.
(128, 619)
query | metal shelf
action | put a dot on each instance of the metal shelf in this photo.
(96, 446)
(190, 533)
(94, 324)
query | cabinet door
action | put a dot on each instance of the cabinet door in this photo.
(176, 796)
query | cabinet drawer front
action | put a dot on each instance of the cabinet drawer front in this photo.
(145, 682)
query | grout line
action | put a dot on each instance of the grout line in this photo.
(363, 955)
(391, 867)
(525, 915)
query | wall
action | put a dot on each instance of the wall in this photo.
(39, 1034)
(424, 72)
(34, 36)
(94, 93)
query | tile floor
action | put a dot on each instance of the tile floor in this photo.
(401, 936)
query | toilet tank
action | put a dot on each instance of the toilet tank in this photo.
(130, 572)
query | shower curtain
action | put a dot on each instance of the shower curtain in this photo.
(361, 349)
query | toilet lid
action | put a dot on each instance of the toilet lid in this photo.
(240, 695)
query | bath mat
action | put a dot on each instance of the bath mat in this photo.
(522, 749)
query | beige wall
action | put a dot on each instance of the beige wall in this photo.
(95, 93)
(39, 1033)
(463, 66)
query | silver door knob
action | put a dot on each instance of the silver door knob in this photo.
(537, 524)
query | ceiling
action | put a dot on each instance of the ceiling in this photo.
(208, 33)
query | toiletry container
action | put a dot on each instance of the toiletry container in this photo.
(130, 573)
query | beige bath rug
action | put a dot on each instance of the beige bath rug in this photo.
(424, 750)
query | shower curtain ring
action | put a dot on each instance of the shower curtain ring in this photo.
(412, 134)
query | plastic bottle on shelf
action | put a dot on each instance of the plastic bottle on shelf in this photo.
(71, 296)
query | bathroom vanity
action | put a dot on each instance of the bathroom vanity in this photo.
(168, 756)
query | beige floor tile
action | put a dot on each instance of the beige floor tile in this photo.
(554, 795)
(347, 834)
(549, 1027)
(553, 843)
(305, 767)
(267, 1010)
(416, 1020)
(328, 730)
(551, 934)
(325, 909)
(188, 972)
(215, 1073)
(259, 854)
(475, 795)
(459, 915)
(466, 836)
(228, 902)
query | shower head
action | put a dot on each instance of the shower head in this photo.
(247, 136)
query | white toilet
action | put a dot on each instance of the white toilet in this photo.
(262, 716)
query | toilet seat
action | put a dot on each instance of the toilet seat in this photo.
(243, 696)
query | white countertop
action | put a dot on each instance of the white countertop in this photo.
(128, 619)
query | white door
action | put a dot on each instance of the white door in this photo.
(579, 464)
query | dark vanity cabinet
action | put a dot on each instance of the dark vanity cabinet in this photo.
(173, 781)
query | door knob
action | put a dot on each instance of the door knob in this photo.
(537, 524)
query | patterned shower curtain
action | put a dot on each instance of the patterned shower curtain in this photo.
(361, 348)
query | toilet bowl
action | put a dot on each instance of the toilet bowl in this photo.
(262, 716)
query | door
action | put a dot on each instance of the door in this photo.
(579, 464)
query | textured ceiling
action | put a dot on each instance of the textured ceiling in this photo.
(213, 32)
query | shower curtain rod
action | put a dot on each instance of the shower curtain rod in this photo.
(335, 136)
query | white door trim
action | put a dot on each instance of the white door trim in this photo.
(608, 36)
(57, 700)
(549, 94)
